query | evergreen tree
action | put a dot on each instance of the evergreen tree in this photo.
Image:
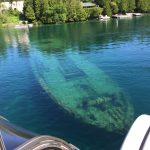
(143, 5)
(75, 11)
(107, 8)
(100, 2)
(81, 13)
(37, 8)
(114, 7)
(123, 6)
(44, 11)
(94, 12)
(131, 5)
(30, 14)
(28, 10)
(53, 11)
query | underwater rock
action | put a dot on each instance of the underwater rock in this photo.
(84, 90)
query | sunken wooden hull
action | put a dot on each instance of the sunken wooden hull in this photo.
(84, 90)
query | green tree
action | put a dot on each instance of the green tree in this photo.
(114, 7)
(123, 6)
(94, 12)
(107, 8)
(58, 13)
(37, 8)
(75, 11)
(100, 2)
(61, 11)
(28, 10)
(131, 5)
(71, 10)
(80, 12)
(44, 11)
(3, 18)
(53, 11)
(143, 5)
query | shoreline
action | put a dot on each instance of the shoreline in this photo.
(30, 25)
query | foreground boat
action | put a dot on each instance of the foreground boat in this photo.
(13, 137)
(138, 137)
(84, 90)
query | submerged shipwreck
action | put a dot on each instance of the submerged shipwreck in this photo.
(84, 90)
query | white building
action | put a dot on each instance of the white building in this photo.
(15, 5)
(88, 4)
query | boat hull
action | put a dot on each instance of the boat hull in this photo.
(84, 90)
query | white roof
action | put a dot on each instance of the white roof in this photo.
(88, 4)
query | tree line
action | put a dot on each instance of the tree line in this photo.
(123, 6)
(52, 11)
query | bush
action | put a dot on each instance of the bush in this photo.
(81, 15)
(29, 13)
(107, 8)
(13, 19)
(94, 12)
(75, 11)
(3, 18)
(114, 7)
(14, 12)
(9, 16)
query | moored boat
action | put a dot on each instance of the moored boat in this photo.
(21, 27)
(30, 25)
(104, 18)
(137, 14)
(122, 16)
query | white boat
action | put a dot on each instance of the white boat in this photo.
(137, 14)
(104, 17)
(30, 25)
(138, 137)
(122, 16)
(21, 27)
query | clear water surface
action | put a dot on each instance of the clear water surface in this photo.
(80, 56)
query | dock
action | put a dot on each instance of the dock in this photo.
(137, 14)
(122, 16)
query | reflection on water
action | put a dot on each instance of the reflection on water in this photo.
(84, 55)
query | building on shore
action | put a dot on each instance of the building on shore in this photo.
(88, 4)
(18, 5)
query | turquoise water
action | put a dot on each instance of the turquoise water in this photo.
(87, 63)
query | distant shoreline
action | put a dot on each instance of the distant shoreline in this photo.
(29, 25)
